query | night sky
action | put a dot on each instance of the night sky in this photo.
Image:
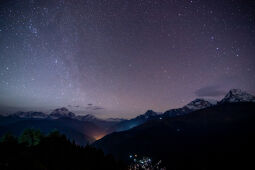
(119, 58)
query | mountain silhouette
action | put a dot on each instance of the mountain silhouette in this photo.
(220, 134)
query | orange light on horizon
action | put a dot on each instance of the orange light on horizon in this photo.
(99, 136)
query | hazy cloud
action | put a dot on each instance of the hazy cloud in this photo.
(210, 91)
(97, 108)
(92, 107)
(71, 106)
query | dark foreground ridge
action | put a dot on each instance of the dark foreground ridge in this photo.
(218, 137)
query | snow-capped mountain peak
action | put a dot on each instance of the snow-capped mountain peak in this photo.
(237, 95)
(148, 114)
(88, 117)
(198, 104)
(61, 112)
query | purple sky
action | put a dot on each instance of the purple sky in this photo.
(123, 57)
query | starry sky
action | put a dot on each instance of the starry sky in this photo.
(119, 58)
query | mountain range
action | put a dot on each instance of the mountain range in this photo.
(88, 128)
(81, 129)
(234, 95)
(200, 135)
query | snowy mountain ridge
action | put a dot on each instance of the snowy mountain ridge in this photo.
(237, 95)
(234, 95)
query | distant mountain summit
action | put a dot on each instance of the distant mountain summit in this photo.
(61, 112)
(128, 124)
(198, 104)
(233, 96)
(149, 114)
(88, 117)
(194, 105)
(237, 95)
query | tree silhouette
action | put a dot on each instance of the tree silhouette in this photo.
(52, 152)
(8, 139)
(30, 137)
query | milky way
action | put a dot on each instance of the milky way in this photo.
(123, 56)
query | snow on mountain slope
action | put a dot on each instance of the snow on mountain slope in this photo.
(237, 95)
(61, 112)
(194, 105)
(198, 104)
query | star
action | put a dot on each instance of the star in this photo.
(129, 53)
